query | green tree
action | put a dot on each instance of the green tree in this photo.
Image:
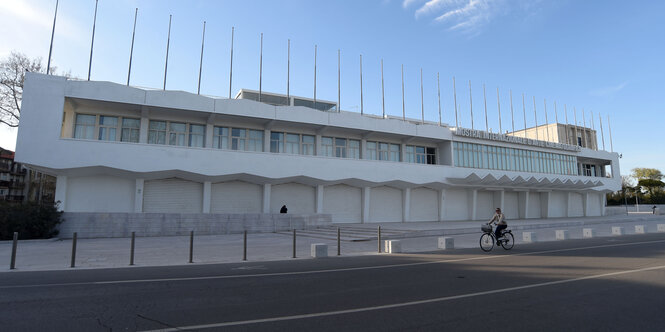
(647, 173)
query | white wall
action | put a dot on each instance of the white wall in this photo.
(485, 205)
(534, 205)
(343, 202)
(385, 204)
(298, 198)
(100, 194)
(456, 202)
(424, 205)
(172, 196)
(236, 197)
(511, 205)
(594, 205)
(558, 204)
(576, 208)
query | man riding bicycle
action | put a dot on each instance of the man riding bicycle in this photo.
(500, 220)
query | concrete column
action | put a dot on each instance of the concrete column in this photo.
(402, 152)
(317, 142)
(143, 131)
(568, 205)
(523, 204)
(266, 140)
(138, 196)
(266, 198)
(499, 199)
(585, 204)
(545, 204)
(442, 205)
(319, 198)
(209, 131)
(367, 191)
(603, 203)
(363, 149)
(206, 196)
(473, 202)
(406, 204)
(61, 191)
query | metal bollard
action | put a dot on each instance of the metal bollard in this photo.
(12, 264)
(379, 239)
(74, 250)
(339, 252)
(294, 243)
(131, 250)
(191, 246)
(244, 246)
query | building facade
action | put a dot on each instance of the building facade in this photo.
(121, 149)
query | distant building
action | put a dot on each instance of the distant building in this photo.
(18, 183)
(126, 156)
(561, 133)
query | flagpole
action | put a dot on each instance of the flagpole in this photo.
(315, 76)
(50, 49)
(602, 134)
(512, 115)
(535, 117)
(288, 70)
(471, 104)
(339, 81)
(231, 66)
(383, 100)
(168, 41)
(565, 110)
(575, 128)
(593, 127)
(403, 103)
(524, 113)
(261, 67)
(487, 129)
(455, 99)
(498, 105)
(438, 92)
(422, 97)
(203, 38)
(131, 50)
(361, 84)
(92, 43)
(609, 126)
(584, 135)
(547, 129)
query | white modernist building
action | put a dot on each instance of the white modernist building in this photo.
(124, 155)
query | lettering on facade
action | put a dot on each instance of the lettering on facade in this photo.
(465, 132)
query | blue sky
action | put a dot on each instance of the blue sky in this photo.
(604, 57)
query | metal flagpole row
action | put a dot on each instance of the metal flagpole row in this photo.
(498, 106)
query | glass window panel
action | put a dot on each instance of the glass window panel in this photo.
(85, 126)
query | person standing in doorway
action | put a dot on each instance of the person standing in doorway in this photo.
(500, 220)
(283, 209)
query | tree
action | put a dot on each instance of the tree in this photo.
(647, 173)
(12, 75)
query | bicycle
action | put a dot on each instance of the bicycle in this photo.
(488, 239)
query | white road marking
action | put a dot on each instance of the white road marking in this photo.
(403, 304)
(259, 275)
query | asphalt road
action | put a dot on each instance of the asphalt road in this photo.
(602, 284)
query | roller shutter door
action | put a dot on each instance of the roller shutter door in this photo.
(343, 202)
(172, 196)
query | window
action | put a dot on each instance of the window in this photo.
(291, 143)
(197, 135)
(178, 133)
(85, 126)
(382, 151)
(240, 139)
(108, 125)
(425, 155)
(340, 147)
(130, 130)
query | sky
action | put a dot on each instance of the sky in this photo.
(594, 58)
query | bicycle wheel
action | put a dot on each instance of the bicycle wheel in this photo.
(508, 241)
(486, 242)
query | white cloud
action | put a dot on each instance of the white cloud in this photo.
(606, 91)
(407, 3)
(462, 15)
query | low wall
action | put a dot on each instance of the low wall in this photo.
(92, 225)
(621, 209)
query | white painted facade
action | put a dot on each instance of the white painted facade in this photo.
(140, 177)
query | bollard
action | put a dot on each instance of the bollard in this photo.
(379, 239)
(131, 250)
(294, 243)
(244, 246)
(12, 264)
(74, 250)
(191, 246)
(338, 242)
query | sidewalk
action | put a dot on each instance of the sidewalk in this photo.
(357, 239)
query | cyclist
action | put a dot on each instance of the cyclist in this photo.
(500, 220)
